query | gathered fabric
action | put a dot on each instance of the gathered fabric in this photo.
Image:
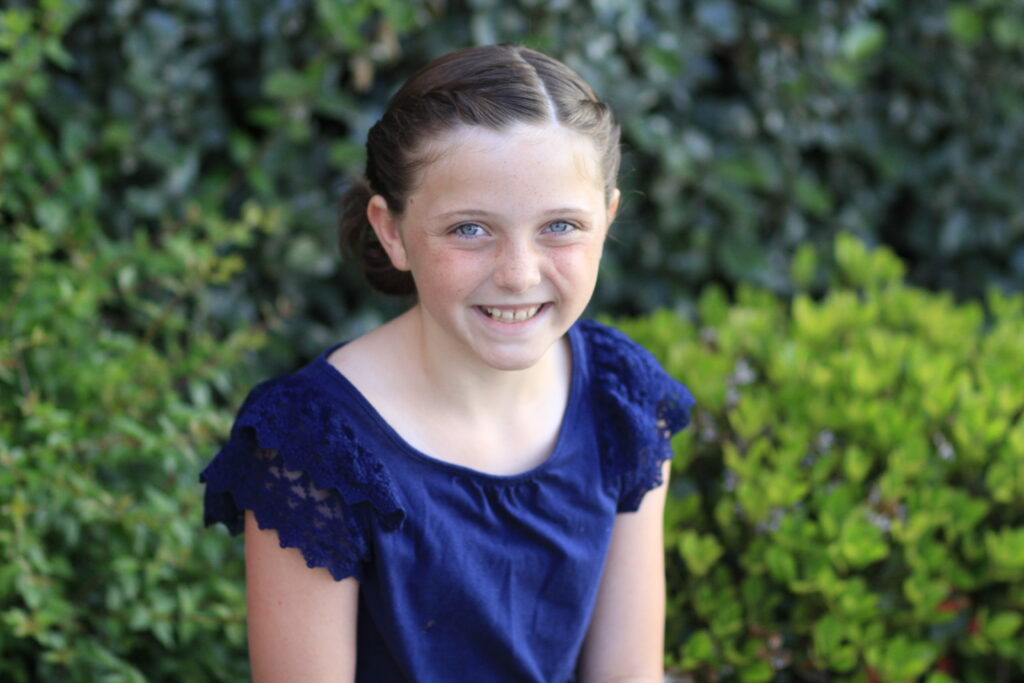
(464, 575)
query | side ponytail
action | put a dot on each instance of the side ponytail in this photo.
(359, 244)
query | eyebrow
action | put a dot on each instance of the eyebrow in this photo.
(481, 213)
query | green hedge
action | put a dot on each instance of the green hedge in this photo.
(750, 128)
(115, 367)
(850, 499)
(106, 573)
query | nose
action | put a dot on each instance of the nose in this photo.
(518, 266)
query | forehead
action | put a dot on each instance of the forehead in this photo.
(522, 164)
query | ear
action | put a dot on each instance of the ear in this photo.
(385, 225)
(613, 205)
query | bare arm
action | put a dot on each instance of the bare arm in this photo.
(625, 641)
(301, 623)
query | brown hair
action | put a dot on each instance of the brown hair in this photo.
(493, 86)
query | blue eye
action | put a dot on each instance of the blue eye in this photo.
(468, 230)
(560, 227)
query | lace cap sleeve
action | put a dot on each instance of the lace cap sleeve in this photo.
(641, 406)
(294, 460)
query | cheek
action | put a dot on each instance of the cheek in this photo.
(579, 261)
(452, 273)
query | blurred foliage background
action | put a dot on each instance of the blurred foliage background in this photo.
(169, 173)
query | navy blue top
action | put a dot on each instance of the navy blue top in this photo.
(464, 576)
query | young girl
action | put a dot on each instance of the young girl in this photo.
(472, 491)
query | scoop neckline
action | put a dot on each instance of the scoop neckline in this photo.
(406, 448)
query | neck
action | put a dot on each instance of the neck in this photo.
(464, 385)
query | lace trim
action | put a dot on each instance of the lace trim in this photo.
(642, 407)
(295, 462)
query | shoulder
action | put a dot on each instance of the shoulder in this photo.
(304, 418)
(639, 407)
(366, 351)
(299, 427)
(609, 344)
(273, 404)
(308, 417)
(621, 365)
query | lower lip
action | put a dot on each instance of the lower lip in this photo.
(514, 326)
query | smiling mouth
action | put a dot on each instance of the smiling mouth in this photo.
(511, 314)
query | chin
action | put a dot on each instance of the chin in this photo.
(511, 362)
(520, 355)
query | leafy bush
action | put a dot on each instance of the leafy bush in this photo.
(112, 368)
(750, 128)
(105, 570)
(848, 505)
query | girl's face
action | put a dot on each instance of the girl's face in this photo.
(503, 235)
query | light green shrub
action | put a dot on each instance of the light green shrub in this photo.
(850, 499)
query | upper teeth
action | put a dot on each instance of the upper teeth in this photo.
(511, 316)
